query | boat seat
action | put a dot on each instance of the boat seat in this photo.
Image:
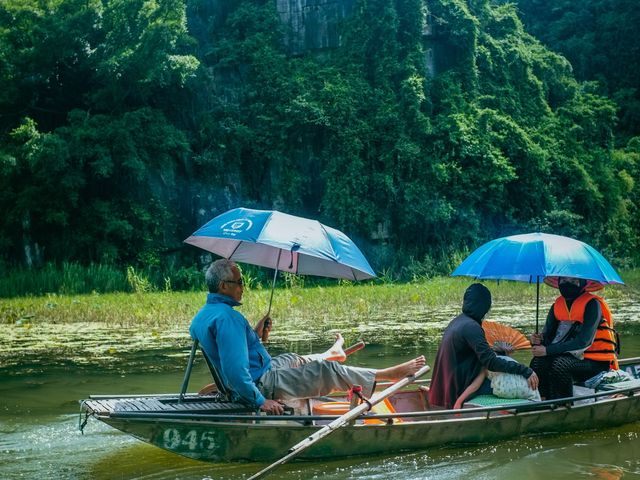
(217, 378)
(221, 391)
(226, 393)
(493, 401)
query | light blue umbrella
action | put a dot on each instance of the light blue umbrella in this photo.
(283, 242)
(534, 257)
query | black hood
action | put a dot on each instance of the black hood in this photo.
(476, 302)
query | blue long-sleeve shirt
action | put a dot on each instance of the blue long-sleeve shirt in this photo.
(232, 345)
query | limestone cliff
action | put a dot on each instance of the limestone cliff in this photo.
(315, 25)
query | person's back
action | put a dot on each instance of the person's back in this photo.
(456, 364)
(228, 340)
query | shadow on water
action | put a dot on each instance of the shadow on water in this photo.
(609, 454)
(41, 383)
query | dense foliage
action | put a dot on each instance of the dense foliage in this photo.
(127, 123)
(600, 39)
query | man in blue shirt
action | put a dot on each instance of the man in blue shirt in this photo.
(246, 367)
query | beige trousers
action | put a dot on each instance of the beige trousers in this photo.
(296, 376)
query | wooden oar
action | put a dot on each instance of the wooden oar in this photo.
(354, 348)
(339, 422)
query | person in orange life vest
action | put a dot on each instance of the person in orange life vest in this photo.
(577, 342)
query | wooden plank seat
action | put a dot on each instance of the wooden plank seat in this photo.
(159, 404)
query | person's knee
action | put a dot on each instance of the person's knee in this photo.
(330, 367)
(560, 365)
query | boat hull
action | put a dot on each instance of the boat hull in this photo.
(218, 441)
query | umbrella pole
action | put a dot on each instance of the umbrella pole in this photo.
(273, 285)
(537, 301)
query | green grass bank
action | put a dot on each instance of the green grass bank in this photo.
(320, 305)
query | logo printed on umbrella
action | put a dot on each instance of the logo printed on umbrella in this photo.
(237, 226)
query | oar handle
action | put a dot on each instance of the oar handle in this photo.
(354, 348)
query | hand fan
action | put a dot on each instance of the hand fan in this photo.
(504, 337)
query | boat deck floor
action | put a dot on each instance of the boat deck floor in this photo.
(411, 402)
(159, 404)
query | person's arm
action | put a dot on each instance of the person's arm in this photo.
(263, 328)
(585, 333)
(473, 387)
(475, 338)
(548, 331)
(231, 339)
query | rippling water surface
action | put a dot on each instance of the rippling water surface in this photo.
(41, 383)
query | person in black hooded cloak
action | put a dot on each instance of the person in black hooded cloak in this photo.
(464, 352)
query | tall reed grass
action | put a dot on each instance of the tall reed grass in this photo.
(319, 306)
(73, 279)
(70, 278)
(76, 279)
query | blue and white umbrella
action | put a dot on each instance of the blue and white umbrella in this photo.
(283, 242)
(536, 257)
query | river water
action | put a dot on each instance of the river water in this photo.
(40, 389)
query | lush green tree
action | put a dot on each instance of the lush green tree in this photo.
(46, 59)
(126, 124)
(599, 38)
(88, 168)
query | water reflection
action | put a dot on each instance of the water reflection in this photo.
(28, 349)
(603, 455)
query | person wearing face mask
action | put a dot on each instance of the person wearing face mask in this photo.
(578, 340)
(464, 353)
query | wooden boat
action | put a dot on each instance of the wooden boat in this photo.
(206, 428)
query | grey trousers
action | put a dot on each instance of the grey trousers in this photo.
(296, 376)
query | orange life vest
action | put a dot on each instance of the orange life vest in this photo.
(605, 345)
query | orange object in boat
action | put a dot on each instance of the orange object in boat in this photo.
(340, 408)
(331, 408)
(502, 334)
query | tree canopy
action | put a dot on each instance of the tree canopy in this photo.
(126, 124)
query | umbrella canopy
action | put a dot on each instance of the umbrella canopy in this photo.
(533, 257)
(282, 242)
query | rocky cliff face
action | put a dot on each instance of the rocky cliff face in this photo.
(313, 24)
(309, 25)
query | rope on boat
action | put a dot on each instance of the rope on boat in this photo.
(83, 423)
(357, 391)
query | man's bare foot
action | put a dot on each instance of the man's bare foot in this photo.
(336, 353)
(402, 370)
